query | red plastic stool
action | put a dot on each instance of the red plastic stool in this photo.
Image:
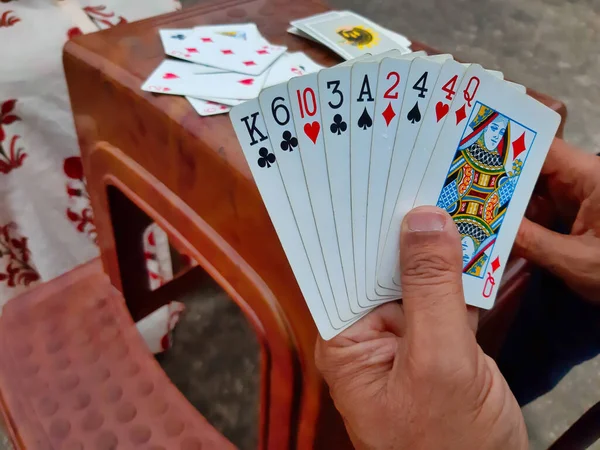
(75, 374)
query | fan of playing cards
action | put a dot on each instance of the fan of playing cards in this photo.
(340, 156)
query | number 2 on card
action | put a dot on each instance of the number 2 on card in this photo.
(388, 93)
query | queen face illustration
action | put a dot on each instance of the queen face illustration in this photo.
(468, 249)
(494, 132)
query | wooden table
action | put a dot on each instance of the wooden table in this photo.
(151, 157)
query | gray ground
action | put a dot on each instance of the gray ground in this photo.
(549, 45)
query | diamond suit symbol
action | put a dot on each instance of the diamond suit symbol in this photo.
(206, 39)
(227, 52)
(262, 52)
(519, 146)
(388, 114)
(249, 63)
(461, 114)
(247, 81)
(191, 50)
(495, 264)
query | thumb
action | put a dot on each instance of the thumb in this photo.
(431, 276)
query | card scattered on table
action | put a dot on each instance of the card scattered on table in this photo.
(341, 155)
(219, 66)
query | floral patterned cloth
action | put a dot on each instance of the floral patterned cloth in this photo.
(46, 223)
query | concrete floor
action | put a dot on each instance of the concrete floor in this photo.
(549, 45)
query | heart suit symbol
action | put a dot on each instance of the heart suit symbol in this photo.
(169, 76)
(312, 131)
(441, 109)
(247, 81)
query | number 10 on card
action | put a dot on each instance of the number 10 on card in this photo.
(303, 102)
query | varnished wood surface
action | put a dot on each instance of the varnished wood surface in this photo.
(189, 174)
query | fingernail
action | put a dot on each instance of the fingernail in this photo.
(422, 221)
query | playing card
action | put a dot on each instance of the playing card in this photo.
(252, 134)
(419, 87)
(484, 167)
(334, 98)
(351, 35)
(303, 96)
(224, 52)
(242, 31)
(393, 75)
(172, 39)
(222, 101)
(181, 78)
(175, 40)
(290, 65)
(206, 108)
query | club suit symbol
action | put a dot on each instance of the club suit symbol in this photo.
(266, 159)
(338, 126)
(288, 141)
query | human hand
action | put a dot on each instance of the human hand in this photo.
(412, 376)
(571, 181)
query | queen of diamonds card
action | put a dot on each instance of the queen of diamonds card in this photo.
(481, 182)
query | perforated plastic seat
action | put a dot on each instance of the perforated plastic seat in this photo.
(75, 374)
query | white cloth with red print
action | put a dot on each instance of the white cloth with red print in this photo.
(46, 223)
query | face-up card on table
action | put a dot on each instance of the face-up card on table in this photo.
(290, 65)
(208, 108)
(421, 80)
(181, 78)
(241, 31)
(172, 39)
(230, 54)
(484, 168)
(393, 75)
(222, 101)
(303, 94)
(252, 134)
(350, 35)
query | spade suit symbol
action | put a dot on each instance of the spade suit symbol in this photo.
(414, 115)
(365, 121)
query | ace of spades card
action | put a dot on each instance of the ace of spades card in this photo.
(483, 170)
(364, 79)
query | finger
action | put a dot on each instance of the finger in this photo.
(571, 170)
(561, 254)
(370, 342)
(431, 275)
